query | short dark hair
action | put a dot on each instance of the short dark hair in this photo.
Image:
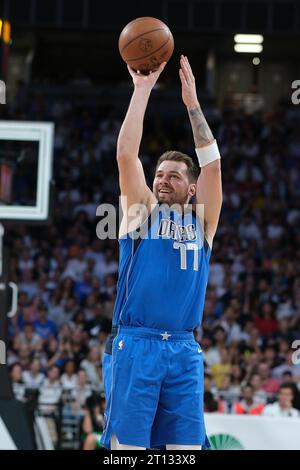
(176, 156)
(287, 385)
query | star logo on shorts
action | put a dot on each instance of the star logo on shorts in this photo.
(121, 344)
(165, 336)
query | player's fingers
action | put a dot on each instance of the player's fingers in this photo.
(185, 69)
(131, 71)
(186, 66)
(157, 72)
(161, 67)
(189, 68)
(182, 78)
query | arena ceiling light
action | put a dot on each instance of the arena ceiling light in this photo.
(249, 43)
(249, 38)
(257, 48)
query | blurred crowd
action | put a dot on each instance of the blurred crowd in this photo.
(67, 277)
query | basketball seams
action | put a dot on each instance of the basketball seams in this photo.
(142, 18)
(143, 34)
(148, 36)
(151, 53)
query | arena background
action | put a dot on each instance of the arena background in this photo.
(60, 64)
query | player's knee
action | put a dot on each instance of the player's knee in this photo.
(115, 445)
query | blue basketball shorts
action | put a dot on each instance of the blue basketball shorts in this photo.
(106, 368)
(156, 389)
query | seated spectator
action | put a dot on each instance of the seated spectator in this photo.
(24, 355)
(287, 366)
(28, 337)
(84, 287)
(44, 327)
(49, 401)
(93, 422)
(259, 394)
(288, 378)
(248, 405)
(33, 378)
(18, 385)
(235, 381)
(266, 321)
(82, 391)
(27, 284)
(212, 353)
(91, 365)
(230, 325)
(283, 407)
(61, 355)
(212, 403)
(76, 266)
(269, 384)
(69, 377)
(50, 392)
(222, 369)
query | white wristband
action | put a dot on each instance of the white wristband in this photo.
(208, 154)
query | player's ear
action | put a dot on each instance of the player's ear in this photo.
(192, 189)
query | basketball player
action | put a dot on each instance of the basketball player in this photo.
(153, 367)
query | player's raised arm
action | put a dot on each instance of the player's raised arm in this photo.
(209, 184)
(132, 179)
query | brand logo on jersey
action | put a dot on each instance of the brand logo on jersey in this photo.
(181, 233)
(120, 345)
(165, 336)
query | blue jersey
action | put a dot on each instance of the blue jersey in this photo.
(163, 273)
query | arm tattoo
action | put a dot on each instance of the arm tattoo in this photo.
(201, 131)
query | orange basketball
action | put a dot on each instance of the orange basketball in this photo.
(145, 43)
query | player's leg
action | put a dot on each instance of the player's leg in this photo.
(115, 445)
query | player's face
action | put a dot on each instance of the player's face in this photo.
(171, 184)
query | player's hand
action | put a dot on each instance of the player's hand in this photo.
(189, 93)
(146, 81)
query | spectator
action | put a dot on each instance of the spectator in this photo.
(50, 392)
(283, 407)
(269, 384)
(18, 385)
(82, 392)
(91, 365)
(33, 378)
(266, 321)
(93, 422)
(69, 377)
(221, 369)
(44, 327)
(248, 405)
(28, 337)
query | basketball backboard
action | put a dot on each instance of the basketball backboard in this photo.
(26, 152)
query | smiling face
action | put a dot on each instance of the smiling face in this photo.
(285, 397)
(171, 184)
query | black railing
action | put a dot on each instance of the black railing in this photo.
(214, 16)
